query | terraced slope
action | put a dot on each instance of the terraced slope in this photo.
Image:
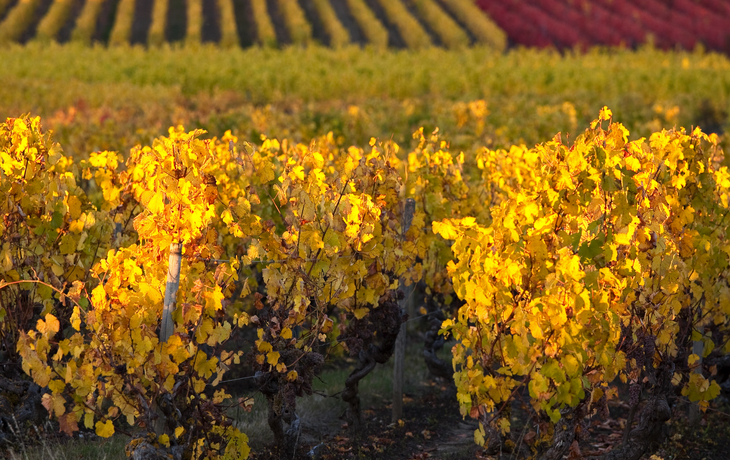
(336, 23)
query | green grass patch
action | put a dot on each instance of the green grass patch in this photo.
(72, 449)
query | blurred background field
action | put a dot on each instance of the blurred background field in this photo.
(98, 98)
(488, 72)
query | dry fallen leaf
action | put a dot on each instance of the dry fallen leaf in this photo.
(574, 453)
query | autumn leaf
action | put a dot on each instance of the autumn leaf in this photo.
(286, 333)
(68, 423)
(89, 420)
(272, 357)
(48, 327)
(104, 429)
(204, 366)
(445, 229)
(156, 205)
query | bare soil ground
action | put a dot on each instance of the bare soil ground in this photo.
(141, 23)
(105, 21)
(431, 427)
(176, 21)
(282, 33)
(245, 23)
(211, 22)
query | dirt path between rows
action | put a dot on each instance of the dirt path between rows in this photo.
(431, 427)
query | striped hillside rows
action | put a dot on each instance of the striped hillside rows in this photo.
(122, 29)
(583, 23)
(415, 24)
(193, 34)
(378, 23)
(300, 31)
(17, 20)
(229, 29)
(408, 26)
(265, 33)
(448, 31)
(410, 29)
(156, 33)
(481, 26)
(52, 22)
(86, 22)
(338, 34)
(371, 27)
(4, 5)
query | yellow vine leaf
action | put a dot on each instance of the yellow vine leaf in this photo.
(445, 229)
(156, 204)
(204, 366)
(104, 429)
(48, 327)
(272, 357)
(286, 333)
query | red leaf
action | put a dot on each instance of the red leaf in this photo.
(68, 424)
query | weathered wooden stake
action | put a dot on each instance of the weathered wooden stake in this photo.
(173, 283)
(409, 209)
(167, 325)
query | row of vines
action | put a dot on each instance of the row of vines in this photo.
(407, 16)
(559, 269)
(570, 24)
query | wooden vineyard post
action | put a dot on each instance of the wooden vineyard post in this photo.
(173, 283)
(400, 344)
(167, 325)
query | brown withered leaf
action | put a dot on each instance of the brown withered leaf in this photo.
(75, 292)
(67, 423)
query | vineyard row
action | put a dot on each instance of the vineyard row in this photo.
(563, 268)
(410, 23)
(581, 23)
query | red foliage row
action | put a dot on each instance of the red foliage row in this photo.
(581, 23)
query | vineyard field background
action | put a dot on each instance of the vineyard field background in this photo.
(120, 97)
(563, 24)
(547, 179)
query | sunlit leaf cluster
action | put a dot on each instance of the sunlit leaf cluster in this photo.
(561, 268)
(292, 239)
(597, 251)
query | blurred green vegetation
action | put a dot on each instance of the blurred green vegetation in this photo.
(112, 98)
